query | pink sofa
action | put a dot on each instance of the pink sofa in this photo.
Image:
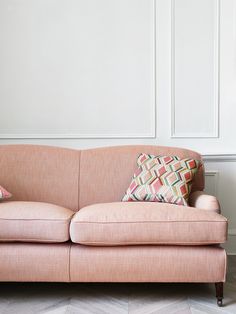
(66, 221)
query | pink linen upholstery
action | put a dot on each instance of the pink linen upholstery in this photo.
(78, 263)
(34, 222)
(201, 200)
(34, 262)
(134, 223)
(147, 264)
(74, 178)
(41, 174)
(105, 173)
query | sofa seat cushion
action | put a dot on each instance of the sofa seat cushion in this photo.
(34, 222)
(135, 223)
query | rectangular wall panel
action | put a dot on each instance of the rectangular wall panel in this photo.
(221, 181)
(211, 182)
(77, 69)
(195, 58)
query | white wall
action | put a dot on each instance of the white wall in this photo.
(86, 73)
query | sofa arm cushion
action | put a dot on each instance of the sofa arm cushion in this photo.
(201, 200)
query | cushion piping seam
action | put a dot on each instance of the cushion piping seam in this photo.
(36, 219)
(149, 242)
(3, 240)
(141, 222)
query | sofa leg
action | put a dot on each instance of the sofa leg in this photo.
(219, 293)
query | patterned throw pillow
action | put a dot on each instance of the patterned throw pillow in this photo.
(4, 193)
(165, 179)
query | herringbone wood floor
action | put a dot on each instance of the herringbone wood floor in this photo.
(27, 298)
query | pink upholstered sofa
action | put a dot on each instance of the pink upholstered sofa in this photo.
(66, 221)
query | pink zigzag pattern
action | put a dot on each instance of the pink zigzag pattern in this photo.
(162, 179)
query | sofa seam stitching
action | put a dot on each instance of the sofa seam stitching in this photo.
(80, 157)
(150, 242)
(36, 219)
(69, 262)
(32, 239)
(143, 222)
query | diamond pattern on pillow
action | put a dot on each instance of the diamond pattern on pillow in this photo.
(162, 179)
(4, 193)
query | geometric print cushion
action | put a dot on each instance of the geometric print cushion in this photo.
(165, 179)
(4, 193)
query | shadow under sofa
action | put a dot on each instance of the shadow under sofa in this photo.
(66, 221)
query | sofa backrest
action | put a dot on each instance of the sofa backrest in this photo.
(74, 178)
(41, 173)
(105, 173)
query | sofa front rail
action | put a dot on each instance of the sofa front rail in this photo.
(69, 262)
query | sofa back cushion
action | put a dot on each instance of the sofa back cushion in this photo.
(73, 178)
(41, 173)
(105, 173)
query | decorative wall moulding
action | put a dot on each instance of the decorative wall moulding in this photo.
(219, 157)
(230, 244)
(181, 67)
(214, 176)
(122, 122)
(232, 232)
(79, 136)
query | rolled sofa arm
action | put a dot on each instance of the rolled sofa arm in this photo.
(201, 200)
